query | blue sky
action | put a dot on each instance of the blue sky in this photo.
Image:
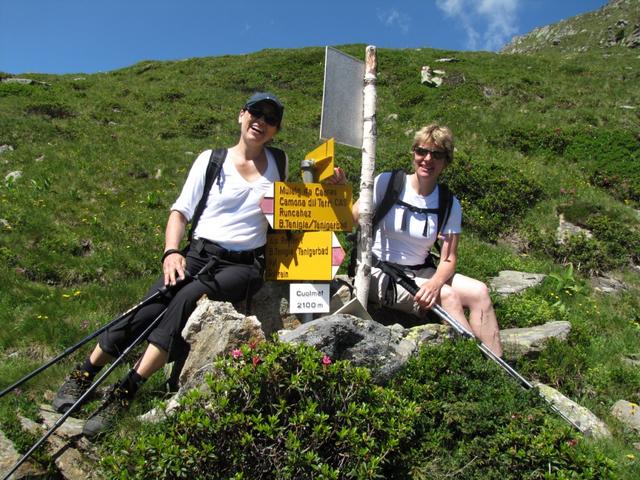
(74, 36)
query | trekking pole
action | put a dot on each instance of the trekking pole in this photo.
(412, 287)
(160, 292)
(105, 374)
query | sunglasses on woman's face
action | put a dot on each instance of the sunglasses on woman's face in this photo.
(435, 154)
(270, 118)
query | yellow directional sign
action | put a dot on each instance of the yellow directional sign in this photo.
(323, 160)
(303, 256)
(311, 207)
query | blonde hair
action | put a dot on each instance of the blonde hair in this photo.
(439, 135)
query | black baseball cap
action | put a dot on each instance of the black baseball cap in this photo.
(266, 97)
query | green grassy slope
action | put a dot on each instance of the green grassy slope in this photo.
(103, 156)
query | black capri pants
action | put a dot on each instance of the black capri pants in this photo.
(229, 281)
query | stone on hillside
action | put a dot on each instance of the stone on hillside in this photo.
(8, 458)
(363, 342)
(73, 465)
(392, 116)
(12, 176)
(447, 60)
(587, 422)
(632, 359)
(72, 427)
(5, 148)
(509, 281)
(568, 229)
(214, 328)
(431, 77)
(607, 285)
(4, 224)
(519, 342)
(628, 413)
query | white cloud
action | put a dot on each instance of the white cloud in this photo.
(394, 18)
(489, 24)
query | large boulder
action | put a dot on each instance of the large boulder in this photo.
(214, 328)
(364, 342)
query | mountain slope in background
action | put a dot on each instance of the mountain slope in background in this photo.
(615, 24)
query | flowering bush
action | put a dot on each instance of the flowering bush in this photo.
(273, 411)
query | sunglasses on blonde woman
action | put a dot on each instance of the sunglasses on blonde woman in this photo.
(435, 154)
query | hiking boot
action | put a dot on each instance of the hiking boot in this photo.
(116, 401)
(76, 384)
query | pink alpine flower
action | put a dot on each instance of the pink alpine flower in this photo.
(326, 359)
(236, 353)
(256, 360)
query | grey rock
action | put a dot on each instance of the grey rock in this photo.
(5, 148)
(214, 328)
(589, 424)
(430, 77)
(568, 229)
(448, 60)
(270, 305)
(72, 427)
(509, 281)
(519, 342)
(73, 465)
(8, 458)
(632, 359)
(392, 116)
(429, 334)
(4, 224)
(13, 176)
(628, 413)
(363, 342)
(607, 285)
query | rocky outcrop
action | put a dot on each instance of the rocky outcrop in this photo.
(615, 24)
(520, 342)
(567, 230)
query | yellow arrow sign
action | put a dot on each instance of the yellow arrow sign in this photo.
(303, 256)
(323, 160)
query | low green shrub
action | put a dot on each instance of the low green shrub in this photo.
(493, 195)
(527, 310)
(276, 411)
(477, 423)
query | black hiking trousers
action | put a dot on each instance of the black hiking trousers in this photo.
(234, 276)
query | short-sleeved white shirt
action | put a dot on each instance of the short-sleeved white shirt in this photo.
(390, 243)
(232, 216)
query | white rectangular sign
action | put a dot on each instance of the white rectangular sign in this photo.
(309, 298)
(342, 99)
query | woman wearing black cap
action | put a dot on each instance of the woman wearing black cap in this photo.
(231, 229)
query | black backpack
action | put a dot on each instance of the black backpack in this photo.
(213, 173)
(392, 197)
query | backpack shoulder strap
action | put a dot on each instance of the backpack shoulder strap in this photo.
(445, 202)
(391, 195)
(281, 162)
(214, 167)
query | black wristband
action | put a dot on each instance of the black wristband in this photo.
(171, 251)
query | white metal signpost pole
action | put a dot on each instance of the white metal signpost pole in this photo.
(365, 241)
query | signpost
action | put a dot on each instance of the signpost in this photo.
(310, 212)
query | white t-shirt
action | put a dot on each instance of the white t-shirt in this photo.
(390, 243)
(232, 216)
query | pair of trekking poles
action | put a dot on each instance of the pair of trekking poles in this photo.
(158, 293)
